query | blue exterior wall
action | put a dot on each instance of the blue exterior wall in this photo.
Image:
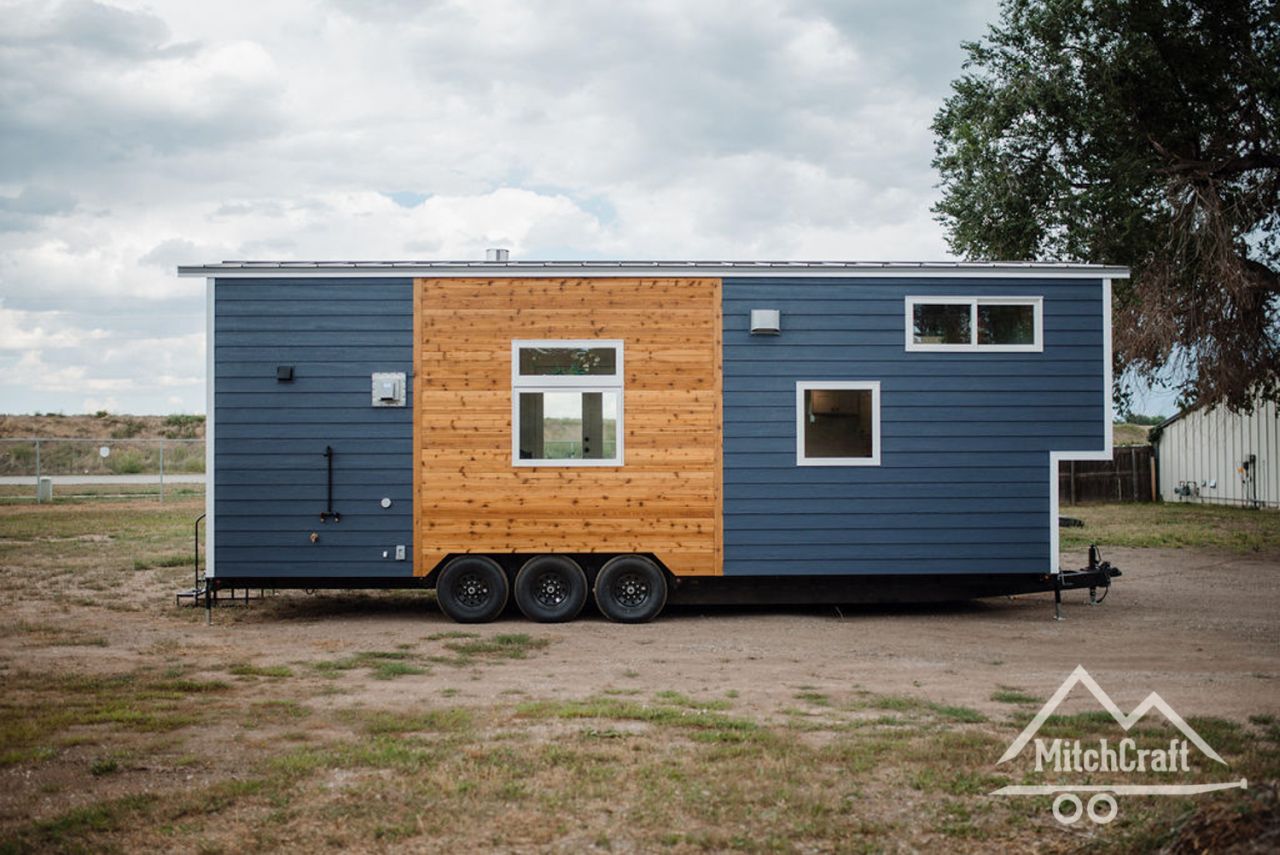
(269, 468)
(963, 485)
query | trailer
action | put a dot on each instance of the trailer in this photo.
(631, 433)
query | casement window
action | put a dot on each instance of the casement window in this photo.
(566, 403)
(975, 324)
(837, 423)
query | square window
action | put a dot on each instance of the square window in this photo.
(1006, 323)
(941, 323)
(566, 407)
(838, 423)
(568, 425)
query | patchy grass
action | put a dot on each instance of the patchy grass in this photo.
(612, 708)
(507, 646)
(687, 779)
(254, 756)
(393, 669)
(1010, 695)
(682, 700)
(451, 720)
(41, 713)
(380, 664)
(246, 669)
(455, 633)
(818, 699)
(1173, 525)
(51, 635)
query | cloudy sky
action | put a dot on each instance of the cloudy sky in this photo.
(137, 136)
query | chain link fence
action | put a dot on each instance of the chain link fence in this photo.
(32, 467)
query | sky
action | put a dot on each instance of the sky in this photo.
(138, 136)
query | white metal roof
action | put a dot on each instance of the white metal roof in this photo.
(280, 269)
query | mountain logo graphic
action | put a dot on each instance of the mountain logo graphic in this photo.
(1102, 808)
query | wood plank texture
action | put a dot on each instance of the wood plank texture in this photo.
(666, 498)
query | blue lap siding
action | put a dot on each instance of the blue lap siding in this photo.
(963, 485)
(269, 467)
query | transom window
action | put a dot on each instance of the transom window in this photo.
(975, 323)
(838, 423)
(566, 407)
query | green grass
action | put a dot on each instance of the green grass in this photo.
(1009, 695)
(247, 669)
(818, 699)
(682, 700)
(350, 765)
(1173, 525)
(455, 719)
(508, 646)
(688, 777)
(613, 708)
(392, 670)
(381, 664)
(41, 709)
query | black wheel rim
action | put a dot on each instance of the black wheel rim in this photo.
(472, 590)
(631, 590)
(550, 590)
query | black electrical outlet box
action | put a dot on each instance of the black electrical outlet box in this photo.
(284, 373)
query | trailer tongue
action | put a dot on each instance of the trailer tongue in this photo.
(1097, 575)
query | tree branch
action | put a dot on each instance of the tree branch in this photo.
(1266, 278)
(1217, 168)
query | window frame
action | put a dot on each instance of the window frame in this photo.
(1036, 303)
(873, 386)
(553, 383)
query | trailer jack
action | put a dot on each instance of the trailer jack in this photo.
(1097, 575)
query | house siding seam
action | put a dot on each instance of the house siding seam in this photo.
(965, 437)
(269, 470)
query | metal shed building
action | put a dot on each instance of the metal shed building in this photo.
(1220, 457)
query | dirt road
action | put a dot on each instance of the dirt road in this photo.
(1201, 629)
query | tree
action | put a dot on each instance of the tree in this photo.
(1135, 132)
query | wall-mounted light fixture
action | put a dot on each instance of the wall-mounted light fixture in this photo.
(766, 322)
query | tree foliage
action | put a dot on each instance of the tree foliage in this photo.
(1135, 132)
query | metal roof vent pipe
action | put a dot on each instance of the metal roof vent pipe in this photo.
(499, 255)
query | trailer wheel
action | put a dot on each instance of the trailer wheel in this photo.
(551, 589)
(630, 589)
(472, 589)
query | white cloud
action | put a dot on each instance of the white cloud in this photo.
(136, 137)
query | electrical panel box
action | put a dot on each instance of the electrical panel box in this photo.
(389, 389)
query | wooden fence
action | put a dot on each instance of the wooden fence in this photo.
(1129, 476)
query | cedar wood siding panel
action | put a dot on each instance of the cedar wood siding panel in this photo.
(963, 485)
(665, 499)
(269, 467)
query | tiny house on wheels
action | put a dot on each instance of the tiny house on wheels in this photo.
(633, 432)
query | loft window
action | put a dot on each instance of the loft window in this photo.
(566, 403)
(838, 423)
(975, 324)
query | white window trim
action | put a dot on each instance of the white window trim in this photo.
(546, 384)
(803, 386)
(1037, 304)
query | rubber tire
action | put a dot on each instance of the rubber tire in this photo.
(612, 574)
(485, 570)
(571, 575)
